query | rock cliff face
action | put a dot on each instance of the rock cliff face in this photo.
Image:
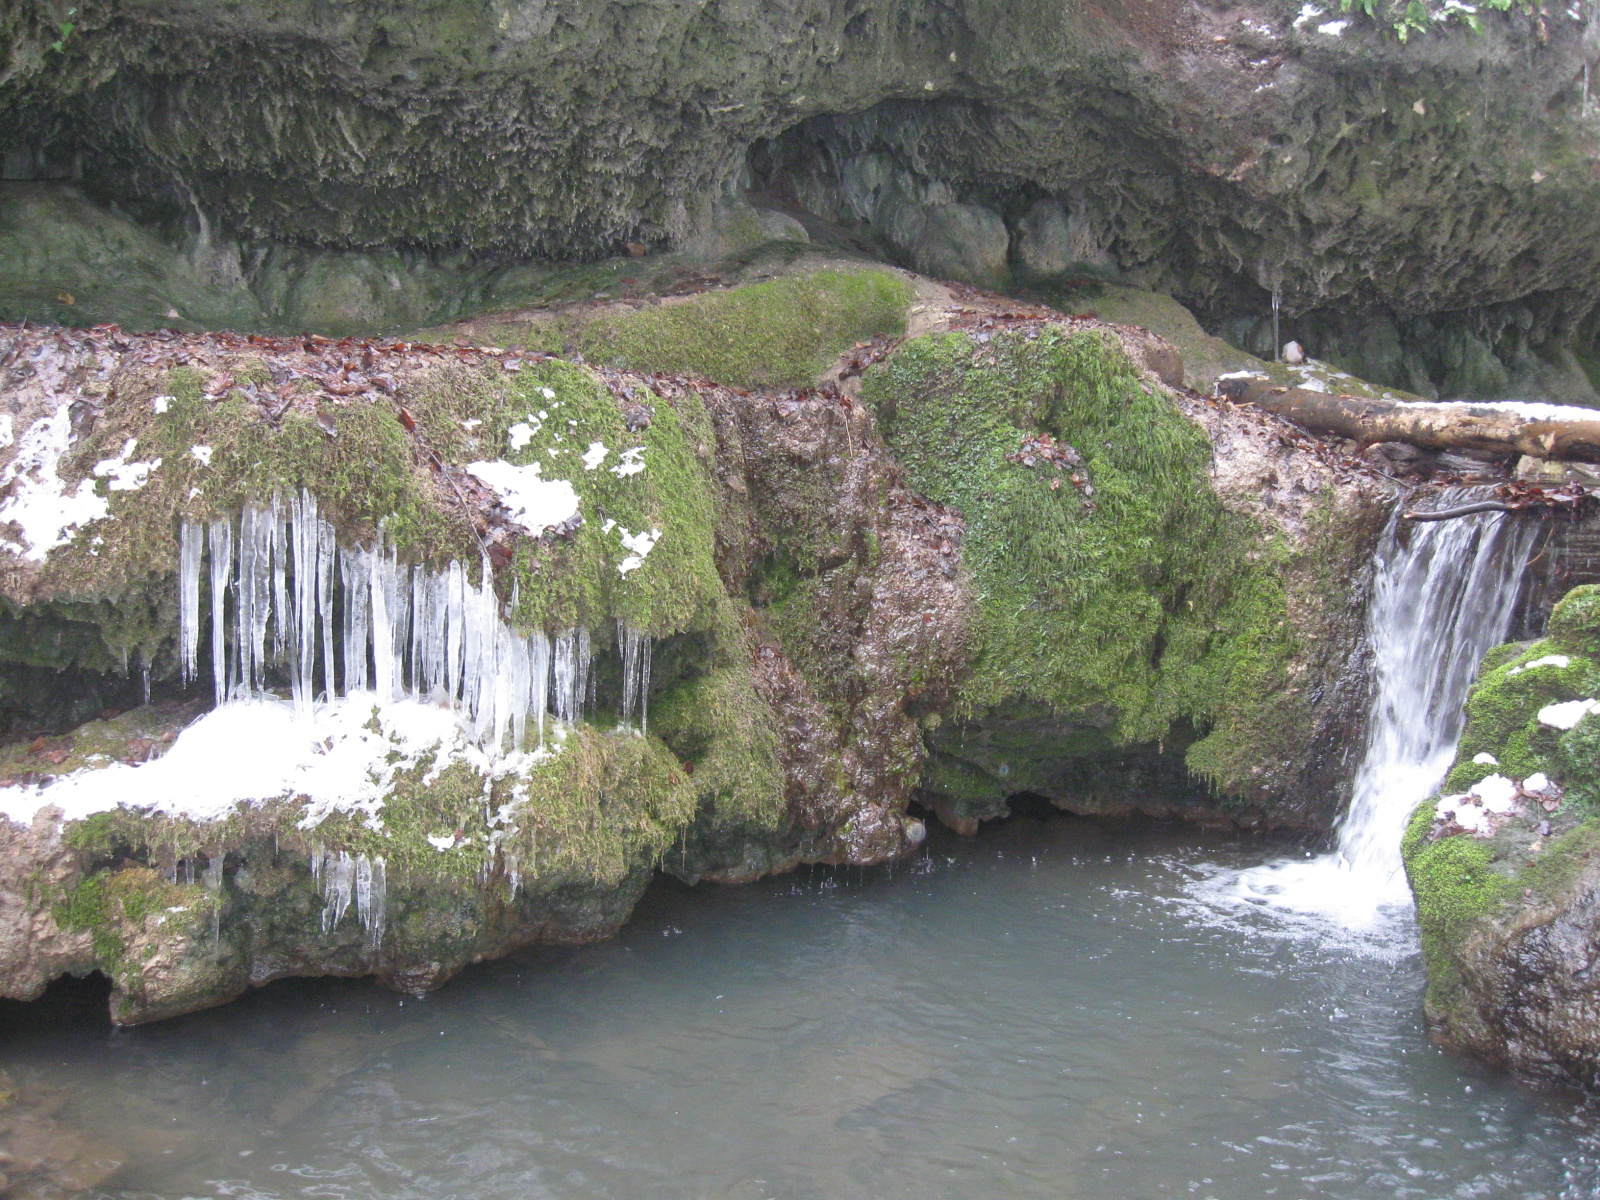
(1425, 210)
(382, 657)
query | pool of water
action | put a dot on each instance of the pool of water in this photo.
(1043, 1011)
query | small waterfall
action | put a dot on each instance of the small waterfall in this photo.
(1443, 595)
(280, 584)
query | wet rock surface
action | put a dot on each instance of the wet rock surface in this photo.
(1218, 153)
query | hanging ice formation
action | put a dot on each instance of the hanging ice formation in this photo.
(343, 876)
(635, 648)
(282, 586)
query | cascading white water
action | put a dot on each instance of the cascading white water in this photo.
(1443, 595)
(406, 631)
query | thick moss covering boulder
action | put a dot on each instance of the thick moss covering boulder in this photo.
(383, 657)
(1129, 610)
(1504, 865)
(432, 471)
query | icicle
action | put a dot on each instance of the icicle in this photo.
(455, 586)
(635, 648)
(306, 542)
(191, 549)
(327, 555)
(380, 579)
(338, 885)
(277, 532)
(421, 624)
(585, 690)
(539, 678)
(356, 576)
(371, 896)
(565, 677)
(406, 630)
(211, 877)
(255, 595)
(221, 538)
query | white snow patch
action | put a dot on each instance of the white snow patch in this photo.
(535, 503)
(7, 433)
(1470, 817)
(161, 404)
(1308, 13)
(40, 503)
(1560, 661)
(125, 476)
(1485, 759)
(640, 545)
(520, 434)
(201, 455)
(548, 394)
(1527, 409)
(1565, 716)
(1497, 793)
(1537, 782)
(632, 463)
(1333, 28)
(595, 455)
(251, 751)
(443, 842)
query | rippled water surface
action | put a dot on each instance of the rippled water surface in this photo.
(1044, 1011)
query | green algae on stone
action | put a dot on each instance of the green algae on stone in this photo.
(1455, 883)
(721, 729)
(1503, 712)
(1460, 881)
(778, 334)
(1148, 602)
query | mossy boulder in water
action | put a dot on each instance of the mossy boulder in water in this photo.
(1503, 867)
(1124, 600)
(404, 654)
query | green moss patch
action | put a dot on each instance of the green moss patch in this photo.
(1146, 602)
(1503, 712)
(1455, 884)
(370, 473)
(726, 735)
(112, 906)
(782, 333)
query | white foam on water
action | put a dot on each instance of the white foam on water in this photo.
(1443, 595)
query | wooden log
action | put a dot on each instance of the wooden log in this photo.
(1463, 510)
(1447, 426)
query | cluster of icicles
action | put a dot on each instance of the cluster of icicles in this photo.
(342, 620)
(344, 876)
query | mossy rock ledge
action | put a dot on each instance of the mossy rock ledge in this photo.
(871, 568)
(1509, 901)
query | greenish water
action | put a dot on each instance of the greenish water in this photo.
(1044, 1011)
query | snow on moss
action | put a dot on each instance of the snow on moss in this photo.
(41, 504)
(342, 758)
(534, 503)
